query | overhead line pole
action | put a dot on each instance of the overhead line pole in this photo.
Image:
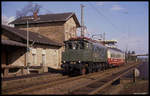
(27, 54)
(82, 22)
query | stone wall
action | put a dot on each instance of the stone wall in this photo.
(57, 31)
(51, 57)
(70, 29)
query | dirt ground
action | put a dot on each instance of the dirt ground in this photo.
(139, 87)
(127, 87)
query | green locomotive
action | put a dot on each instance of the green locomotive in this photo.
(83, 55)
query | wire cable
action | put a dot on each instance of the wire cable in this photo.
(107, 19)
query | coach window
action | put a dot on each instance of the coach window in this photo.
(111, 55)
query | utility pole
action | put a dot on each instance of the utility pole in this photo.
(82, 23)
(27, 54)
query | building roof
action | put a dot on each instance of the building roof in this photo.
(33, 37)
(13, 43)
(57, 17)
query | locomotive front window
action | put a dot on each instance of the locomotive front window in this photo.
(87, 45)
(70, 46)
(77, 45)
(81, 45)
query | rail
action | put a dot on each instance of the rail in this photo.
(100, 77)
(99, 84)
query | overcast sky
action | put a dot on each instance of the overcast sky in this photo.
(126, 22)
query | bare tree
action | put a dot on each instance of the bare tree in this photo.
(35, 8)
(29, 9)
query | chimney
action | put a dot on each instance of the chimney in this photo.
(35, 15)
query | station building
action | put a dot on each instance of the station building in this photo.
(57, 27)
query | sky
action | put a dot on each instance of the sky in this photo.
(126, 22)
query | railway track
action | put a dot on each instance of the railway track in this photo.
(32, 86)
(99, 84)
(41, 85)
(38, 86)
(78, 84)
(26, 81)
(61, 89)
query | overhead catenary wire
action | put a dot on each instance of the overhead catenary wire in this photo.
(106, 18)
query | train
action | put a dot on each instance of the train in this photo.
(83, 55)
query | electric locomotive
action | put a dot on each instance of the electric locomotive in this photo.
(83, 55)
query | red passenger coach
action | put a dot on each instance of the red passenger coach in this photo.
(115, 57)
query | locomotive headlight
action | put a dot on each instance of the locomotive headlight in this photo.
(64, 61)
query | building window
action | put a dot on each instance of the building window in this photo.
(34, 56)
(43, 57)
(34, 59)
